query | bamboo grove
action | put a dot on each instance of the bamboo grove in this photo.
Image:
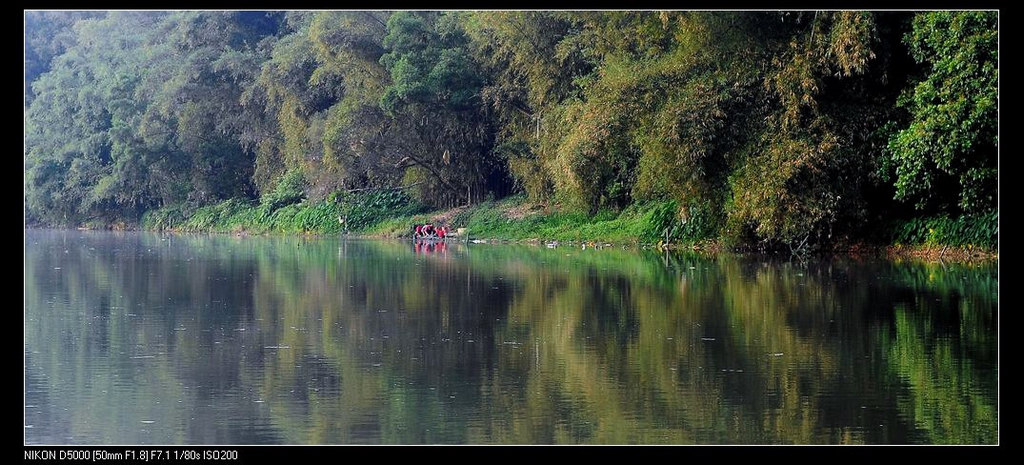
(770, 127)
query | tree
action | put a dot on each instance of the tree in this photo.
(529, 73)
(782, 128)
(79, 126)
(441, 133)
(198, 71)
(802, 177)
(945, 157)
(48, 34)
(140, 112)
(316, 104)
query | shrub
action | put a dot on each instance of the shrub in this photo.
(976, 230)
(362, 210)
(289, 190)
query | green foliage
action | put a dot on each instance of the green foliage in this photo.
(783, 129)
(321, 217)
(236, 216)
(680, 105)
(947, 153)
(667, 222)
(48, 34)
(214, 217)
(663, 222)
(490, 222)
(141, 111)
(362, 210)
(784, 193)
(289, 190)
(965, 230)
(433, 101)
(639, 223)
(162, 219)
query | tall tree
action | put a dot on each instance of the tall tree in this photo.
(201, 65)
(79, 129)
(48, 34)
(441, 130)
(945, 157)
(531, 69)
(320, 90)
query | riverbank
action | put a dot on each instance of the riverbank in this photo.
(940, 253)
(386, 216)
(515, 219)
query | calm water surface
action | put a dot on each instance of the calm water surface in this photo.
(142, 338)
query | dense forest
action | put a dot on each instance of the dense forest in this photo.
(802, 128)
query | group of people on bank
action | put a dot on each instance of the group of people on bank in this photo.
(429, 231)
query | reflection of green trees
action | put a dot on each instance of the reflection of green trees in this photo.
(77, 336)
(643, 372)
(370, 342)
(662, 362)
(950, 394)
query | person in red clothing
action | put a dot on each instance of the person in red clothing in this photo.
(419, 231)
(428, 230)
(441, 232)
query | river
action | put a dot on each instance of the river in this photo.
(146, 338)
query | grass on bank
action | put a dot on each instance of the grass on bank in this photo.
(392, 214)
(515, 219)
(334, 215)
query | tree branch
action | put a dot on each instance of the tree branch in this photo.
(386, 188)
(375, 18)
(415, 161)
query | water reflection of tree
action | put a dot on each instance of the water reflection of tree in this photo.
(942, 348)
(83, 343)
(741, 353)
(369, 342)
